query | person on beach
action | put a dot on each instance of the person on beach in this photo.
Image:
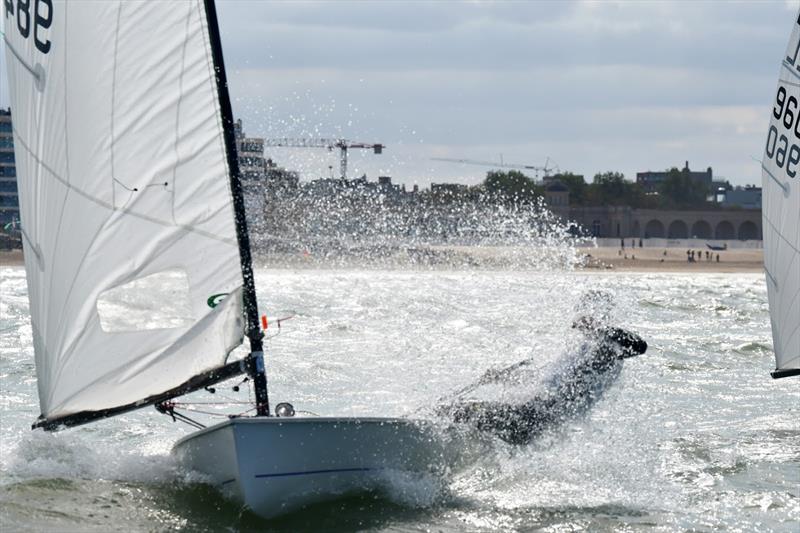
(576, 383)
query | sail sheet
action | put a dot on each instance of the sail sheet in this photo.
(781, 210)
(125, 198)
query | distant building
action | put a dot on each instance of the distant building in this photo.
(748, 197)
(650, 181)
(556, 194)
(279, 179)
(626, 222)
(9, 201)
(448, 188)
(252, 164)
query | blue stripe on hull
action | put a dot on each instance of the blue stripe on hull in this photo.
(331, 471)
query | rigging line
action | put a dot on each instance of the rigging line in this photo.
(238, 402)
(124, 211)
(168, 408)
(200, 411)
(134, 189)
(230, 400)
(245, 412)
(186, 420)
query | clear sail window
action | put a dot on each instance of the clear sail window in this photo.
(157, 301)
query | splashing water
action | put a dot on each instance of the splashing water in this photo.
(357, 223)
(694, 435)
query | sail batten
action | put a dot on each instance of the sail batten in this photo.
(781, 212)
(124, 177)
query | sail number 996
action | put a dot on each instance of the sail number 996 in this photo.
(36, 14)
(778, 148)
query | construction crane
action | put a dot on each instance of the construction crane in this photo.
(545, 169)
(342, 144)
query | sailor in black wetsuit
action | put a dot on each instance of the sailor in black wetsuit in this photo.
(573, 386)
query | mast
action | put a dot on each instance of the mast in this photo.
(256, 367)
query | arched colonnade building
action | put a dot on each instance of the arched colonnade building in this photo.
(712, 224)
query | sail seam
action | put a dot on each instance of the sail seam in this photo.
(178, 110)
(784, 239)
(792, 334)
(124, 211)
(113, 114)
(63, 317)
(794, 298)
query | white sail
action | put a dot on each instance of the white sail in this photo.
(123, 186)
(781, 210)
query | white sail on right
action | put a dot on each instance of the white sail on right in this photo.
(781, 210)
(124, 188)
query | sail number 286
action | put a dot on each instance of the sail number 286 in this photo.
(32, 14)
(786, 112)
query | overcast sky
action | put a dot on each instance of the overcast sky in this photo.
(594, 86)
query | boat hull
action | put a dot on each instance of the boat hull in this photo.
(276, 466)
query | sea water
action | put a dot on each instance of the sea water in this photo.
(694, 435)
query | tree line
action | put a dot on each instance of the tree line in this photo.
(677, 191)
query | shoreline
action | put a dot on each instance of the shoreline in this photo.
(673, 260)
(600, 259)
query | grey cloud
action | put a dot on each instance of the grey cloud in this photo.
(595, 85)
(708, 36)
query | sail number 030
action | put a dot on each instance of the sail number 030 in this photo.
(35, 14)
(786, 112)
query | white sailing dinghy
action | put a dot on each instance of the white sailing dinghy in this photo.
(137, 252)
(781, 211)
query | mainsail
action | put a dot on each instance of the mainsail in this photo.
(125, 200)
(781, 211)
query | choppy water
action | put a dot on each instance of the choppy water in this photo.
(694, 436)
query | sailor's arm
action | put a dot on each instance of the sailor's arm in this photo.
(631, 343)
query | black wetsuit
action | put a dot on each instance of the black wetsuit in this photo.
(572, 389)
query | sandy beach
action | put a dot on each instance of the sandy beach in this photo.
(606, 259)
(674, 260)
(11, 258)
